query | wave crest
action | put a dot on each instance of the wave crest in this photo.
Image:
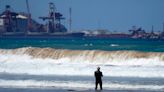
(84, 55)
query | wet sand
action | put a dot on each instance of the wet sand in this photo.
(3, 89)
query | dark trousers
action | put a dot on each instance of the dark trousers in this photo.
(96, 84)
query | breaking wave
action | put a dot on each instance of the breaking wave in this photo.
(95, 56)
(81, 62)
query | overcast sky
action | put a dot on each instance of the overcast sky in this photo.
(114, 15)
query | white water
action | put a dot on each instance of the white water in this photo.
(114, 45)
(83, 63)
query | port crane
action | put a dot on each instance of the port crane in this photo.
(53, 18)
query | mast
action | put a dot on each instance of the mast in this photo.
(163, 27)
(152, 29)
(70, 19)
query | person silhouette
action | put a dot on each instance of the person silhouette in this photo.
(98, 75)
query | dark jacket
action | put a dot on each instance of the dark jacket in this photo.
(98, 75)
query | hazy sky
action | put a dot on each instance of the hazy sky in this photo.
(119, 15)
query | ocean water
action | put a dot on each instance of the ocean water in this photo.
(86, 44)
(69, 64)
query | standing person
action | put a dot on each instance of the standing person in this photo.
(98, 76)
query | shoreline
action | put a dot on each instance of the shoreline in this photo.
(54, 89)
(36, 83)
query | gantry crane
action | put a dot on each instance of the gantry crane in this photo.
(53, 19)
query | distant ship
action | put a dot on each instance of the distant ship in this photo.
(21, 25)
